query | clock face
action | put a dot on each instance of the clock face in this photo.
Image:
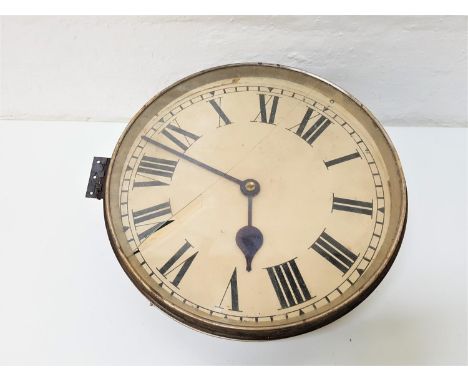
(255, 201)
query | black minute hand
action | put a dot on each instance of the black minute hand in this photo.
(194, 161)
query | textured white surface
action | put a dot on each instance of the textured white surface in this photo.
(65, 299)
(407, 70)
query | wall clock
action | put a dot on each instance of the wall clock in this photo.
(253, 201)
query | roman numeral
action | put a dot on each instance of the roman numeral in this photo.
(310, 134)
(265, 115)
(232, 286)
(350, 205)
(181, 268)
(288, 284)
(342, 159)
(222, 116)
(334, 252)
(188, 137)
(145, 215)
(156, 167)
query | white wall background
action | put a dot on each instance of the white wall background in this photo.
(64, 298)
(407, 70)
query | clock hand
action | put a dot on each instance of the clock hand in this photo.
(194, 161)
(249, 238)
(249, 210)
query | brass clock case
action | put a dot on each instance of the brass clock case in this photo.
(384, 255)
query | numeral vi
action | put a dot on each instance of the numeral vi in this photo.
(234, 293)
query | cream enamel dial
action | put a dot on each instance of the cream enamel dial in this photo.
(255, 201)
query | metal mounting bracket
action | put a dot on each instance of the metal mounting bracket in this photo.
(97, 178)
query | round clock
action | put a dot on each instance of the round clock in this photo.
(255, 201)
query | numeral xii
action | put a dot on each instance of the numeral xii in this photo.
(310, 134)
